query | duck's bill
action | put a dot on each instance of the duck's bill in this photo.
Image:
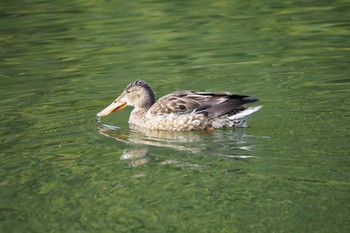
(115, 106)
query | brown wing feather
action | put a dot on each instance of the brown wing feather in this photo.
(176, 102)
(232, 105)
(212, 104)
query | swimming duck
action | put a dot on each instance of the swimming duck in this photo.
(182, 110)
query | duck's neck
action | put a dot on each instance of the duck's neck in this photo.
(151, 99)
(146, 100)
(138, 116)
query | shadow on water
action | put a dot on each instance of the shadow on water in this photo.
(223, 143)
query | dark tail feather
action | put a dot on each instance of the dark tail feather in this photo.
(234, 103)
(248, 100)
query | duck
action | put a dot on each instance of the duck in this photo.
(184, 110)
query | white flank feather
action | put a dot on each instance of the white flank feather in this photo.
(245, 113)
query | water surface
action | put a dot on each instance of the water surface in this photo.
(61, 62)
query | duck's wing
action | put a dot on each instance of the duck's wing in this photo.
(209, 103)
(177, 102)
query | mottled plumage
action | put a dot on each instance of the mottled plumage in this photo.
(182, 110)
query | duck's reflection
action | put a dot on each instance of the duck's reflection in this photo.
(137, 157)
(234, 144)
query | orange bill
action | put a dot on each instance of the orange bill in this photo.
(115, 106)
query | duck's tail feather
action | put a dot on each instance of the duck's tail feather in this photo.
(239, 119)
(231, 105)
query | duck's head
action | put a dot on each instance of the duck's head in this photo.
(138, 94)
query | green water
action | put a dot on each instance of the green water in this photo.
(61, 62)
